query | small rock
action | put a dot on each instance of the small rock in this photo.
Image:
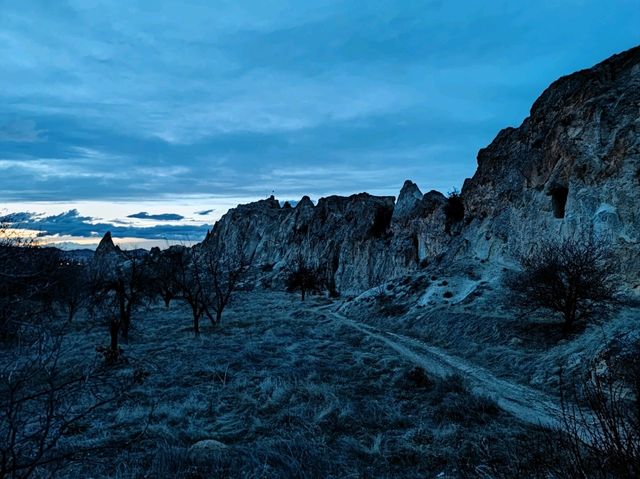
(203, 450)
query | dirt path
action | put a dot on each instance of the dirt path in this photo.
(527, 404)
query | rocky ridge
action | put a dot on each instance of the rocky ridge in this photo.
(571, 168)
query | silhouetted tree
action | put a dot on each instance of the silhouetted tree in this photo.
(223, 273)
(190, 281)
(27, 279)
(71, 288)
(304, 278)
(573, 278)
(163, 265)
(118, 287)
(43, 400)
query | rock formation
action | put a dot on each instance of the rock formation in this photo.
(571, 168)
(106, 247)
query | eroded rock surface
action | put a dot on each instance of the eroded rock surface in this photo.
(571, 168)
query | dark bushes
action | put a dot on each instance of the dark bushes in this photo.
(453, 210)
(573, 278)
(305, 279)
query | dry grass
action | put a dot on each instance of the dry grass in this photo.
(290, 394)
(474, 322)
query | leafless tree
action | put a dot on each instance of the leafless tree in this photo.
(27, 278)
(600, 433)
(573, 278)
(190, 281)
(163, 265)
(71, 289)
(44, 400)
(118, 287)
(223, 274)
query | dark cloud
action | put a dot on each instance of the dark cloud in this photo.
(204, 212)
(103, 103)
(72, 223)
(143, 215)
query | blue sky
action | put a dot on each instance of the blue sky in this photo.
(116, 108)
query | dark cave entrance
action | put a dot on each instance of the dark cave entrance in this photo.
(559, 200)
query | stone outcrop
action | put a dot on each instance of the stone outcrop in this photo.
(107, 250)
(571, 168)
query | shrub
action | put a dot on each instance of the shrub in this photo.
(601, 420)
(304, 279)
(573, 278)
(453, 210)
(418, 378)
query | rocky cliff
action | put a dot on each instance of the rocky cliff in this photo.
(571, 168)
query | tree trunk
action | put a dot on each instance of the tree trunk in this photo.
(196, 321)
(114, 330)
(167, 300)
(124, 320)
(219, 316)
(303, 293)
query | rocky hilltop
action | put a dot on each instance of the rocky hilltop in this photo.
(571, 168)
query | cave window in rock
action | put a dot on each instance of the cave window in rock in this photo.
(559, 200)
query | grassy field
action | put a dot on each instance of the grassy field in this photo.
(279, 391)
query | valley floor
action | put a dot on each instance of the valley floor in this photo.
(288, 389)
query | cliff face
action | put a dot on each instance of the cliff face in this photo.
(357, 238)
(572, 167)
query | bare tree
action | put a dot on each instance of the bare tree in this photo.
(223, 274)
(117, 288)
(71, 290)
(600, 433)
(190, 282)
(573, 278)
(164, 265)
(44, 400)
(27, 278)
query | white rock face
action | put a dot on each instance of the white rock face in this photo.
(571, 169)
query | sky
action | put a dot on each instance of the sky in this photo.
(152, 118)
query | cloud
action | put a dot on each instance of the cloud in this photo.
(22, 131)
(72, 223)
(143, 215)
(194, 99)
(204, 212)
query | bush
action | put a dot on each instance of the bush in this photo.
(453, 210)
(304, 279)
(601, 420)
(573, 278)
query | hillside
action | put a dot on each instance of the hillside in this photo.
(571, 169)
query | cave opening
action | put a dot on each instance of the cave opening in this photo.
(559, 200)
